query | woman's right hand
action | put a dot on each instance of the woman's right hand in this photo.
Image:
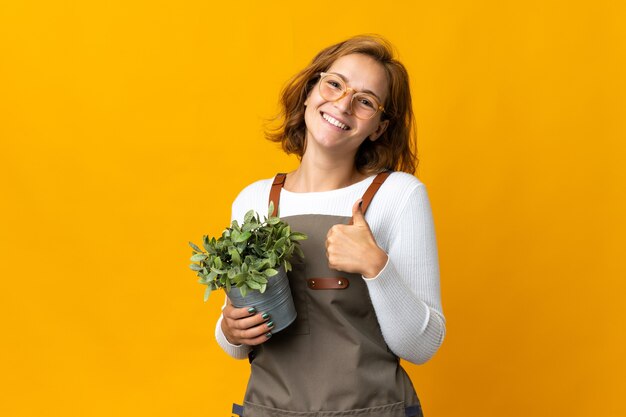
(245, 326)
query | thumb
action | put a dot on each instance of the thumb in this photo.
(358, 219)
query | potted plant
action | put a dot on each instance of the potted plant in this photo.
(250, 261)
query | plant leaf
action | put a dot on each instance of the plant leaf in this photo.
(249, 226)
(241, 237)
(253, 284)
(298, 236)
(260, 279)
(270, 272)
(198, 257)
(279, 243)
(209, 245)
(249, 216)
(234, 256)
(240, 279)
(195, 267)
(207, 292)
(194, 247)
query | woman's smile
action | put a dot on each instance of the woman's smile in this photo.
(334, 121)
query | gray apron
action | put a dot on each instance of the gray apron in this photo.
(333, 360)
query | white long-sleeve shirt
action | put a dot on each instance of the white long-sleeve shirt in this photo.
(406, 292)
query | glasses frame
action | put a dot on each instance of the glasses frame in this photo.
(345, 92)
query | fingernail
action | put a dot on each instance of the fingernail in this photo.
(268, 335)
(270, 324)
(265, 316)
(252, 310)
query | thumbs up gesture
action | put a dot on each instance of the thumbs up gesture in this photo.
(352, 248)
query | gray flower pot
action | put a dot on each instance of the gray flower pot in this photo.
(275, 301)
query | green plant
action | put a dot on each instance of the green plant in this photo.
(246, 256)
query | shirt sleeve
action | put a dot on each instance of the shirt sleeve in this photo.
(406, 292)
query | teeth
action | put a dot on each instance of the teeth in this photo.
(334, 122)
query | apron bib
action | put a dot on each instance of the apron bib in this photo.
(333, 360)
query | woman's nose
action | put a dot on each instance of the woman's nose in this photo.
(344, 104)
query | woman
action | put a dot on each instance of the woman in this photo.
(367, 292)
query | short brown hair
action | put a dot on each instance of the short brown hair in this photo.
(396, 149)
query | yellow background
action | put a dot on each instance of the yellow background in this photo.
(127, 128)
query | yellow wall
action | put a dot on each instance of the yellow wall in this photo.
(127, 129)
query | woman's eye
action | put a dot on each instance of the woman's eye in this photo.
(366, 102)
(334, 84)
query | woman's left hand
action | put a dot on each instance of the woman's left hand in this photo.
(352, 248)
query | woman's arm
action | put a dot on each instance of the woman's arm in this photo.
(406, 292)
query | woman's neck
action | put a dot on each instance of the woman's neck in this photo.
(316, 176)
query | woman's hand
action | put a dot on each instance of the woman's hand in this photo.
(245, 325)
(352, 248)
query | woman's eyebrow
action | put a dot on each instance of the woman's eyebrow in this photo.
(343, 77)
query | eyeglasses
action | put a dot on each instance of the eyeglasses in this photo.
(363, 105)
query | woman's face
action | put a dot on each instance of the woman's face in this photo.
(361, 73)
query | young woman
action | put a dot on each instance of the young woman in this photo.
(367, 292)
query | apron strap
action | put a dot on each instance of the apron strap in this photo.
(371, 191)
(277, 185)
(410, 411)
(279, 181)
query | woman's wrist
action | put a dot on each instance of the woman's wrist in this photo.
(377, 262)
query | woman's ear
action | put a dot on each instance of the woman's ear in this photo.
(382, 126)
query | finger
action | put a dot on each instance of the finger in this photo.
(358, 219)
(336, 232)
(255, 335)
(329, 247)
(248, 322)
(330, 232)
(259, 339)
(235, 313)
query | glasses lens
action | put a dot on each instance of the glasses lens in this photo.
(332, 87)
(364, 105)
